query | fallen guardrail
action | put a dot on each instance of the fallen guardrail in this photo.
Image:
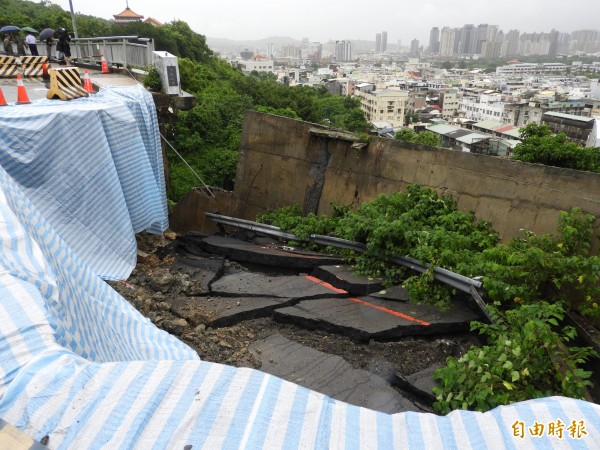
(465, 284)
(253, 226)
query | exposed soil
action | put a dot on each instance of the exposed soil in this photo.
(229, 345)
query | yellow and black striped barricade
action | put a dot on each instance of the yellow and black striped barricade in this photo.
(33, 66)
(9, 68)
(65, 84)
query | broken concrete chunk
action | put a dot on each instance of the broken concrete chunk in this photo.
(316, 370)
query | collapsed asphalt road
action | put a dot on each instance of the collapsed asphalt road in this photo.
(301, 316)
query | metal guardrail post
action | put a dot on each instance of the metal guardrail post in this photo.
(150, 52)
(125, 53)
(104, 48)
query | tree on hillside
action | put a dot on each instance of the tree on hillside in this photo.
(427, 138)
(424, 137)
(175, 37)
(342, 112)
(533, 129)
(285, 112)
(539, 146)
(405, 134)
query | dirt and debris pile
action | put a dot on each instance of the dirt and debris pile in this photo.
(225, 310)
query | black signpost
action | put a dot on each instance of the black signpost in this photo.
(172, 75)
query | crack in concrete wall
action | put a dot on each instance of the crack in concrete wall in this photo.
(318, 171)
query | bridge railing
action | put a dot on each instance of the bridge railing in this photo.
(117, 50)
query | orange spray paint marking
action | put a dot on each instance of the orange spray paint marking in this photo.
(370, 305)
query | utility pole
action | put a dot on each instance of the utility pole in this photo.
(73, 20)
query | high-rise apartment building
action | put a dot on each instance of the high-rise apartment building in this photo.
(467, 39)
(434, 41)
(489, 41)
(512, 39)
(457, 50)
(585, 40)
(554, 35)
(378, 43)
(447, 39)
(383, 41)
(414, 48)
(343, 51)
(491, 49)
(492, 33)
(482, 36)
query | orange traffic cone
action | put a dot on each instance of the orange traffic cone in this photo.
(22, 96)
(87, 82)
(45, 74)
(2, 99)
(104, 64)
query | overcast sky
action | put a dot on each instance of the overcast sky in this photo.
(324, 20)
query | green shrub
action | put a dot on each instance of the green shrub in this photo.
(525, 357)
(539, 146)
(152, 80)
(543, 268)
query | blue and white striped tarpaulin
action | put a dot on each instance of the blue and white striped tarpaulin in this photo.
(93, 168)
(80, 365)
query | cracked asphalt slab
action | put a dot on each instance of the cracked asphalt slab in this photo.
(248, 314)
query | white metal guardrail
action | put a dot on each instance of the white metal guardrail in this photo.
(120, 50)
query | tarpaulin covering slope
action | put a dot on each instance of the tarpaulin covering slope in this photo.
(93, 168)
(80, 365)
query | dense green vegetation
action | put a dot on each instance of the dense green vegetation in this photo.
(525, 357)
(209, 135)
(424, 137)
(529, 283)
(539, 146)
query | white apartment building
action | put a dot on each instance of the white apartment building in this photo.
(449, 102)
(384, 105)
(265, 65)
(531, 68)
(482, 107)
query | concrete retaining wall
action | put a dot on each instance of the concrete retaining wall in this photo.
(282, 162)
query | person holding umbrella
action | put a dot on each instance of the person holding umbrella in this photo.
(20, 44)
(47, 35)
(8, 45)
(8, 39)
(63, 45)
(30, 40)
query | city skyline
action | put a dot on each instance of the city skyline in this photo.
(322, 22)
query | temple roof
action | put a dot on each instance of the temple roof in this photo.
(128, 14)
(153, 21)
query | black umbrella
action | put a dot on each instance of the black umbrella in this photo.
(9, 29)
(46, 33)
